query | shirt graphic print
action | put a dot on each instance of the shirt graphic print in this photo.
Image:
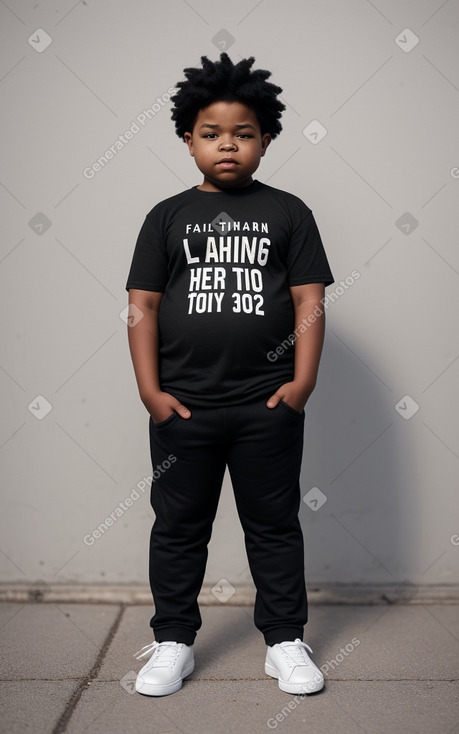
(224, 262)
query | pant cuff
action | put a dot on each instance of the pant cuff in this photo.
(283, 634)
(174, 634)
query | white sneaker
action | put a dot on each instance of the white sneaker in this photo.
(290, 664)
(169, 664)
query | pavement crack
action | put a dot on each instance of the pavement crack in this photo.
(66, 715)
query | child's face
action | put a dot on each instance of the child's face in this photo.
(227, 145)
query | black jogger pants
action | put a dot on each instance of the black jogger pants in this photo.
(262, 448)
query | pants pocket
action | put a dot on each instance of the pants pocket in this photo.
(291, 410)
(162, 424)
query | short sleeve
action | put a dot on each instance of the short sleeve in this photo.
(306, 258)
(149, 271)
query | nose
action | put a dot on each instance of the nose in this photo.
(228, 145)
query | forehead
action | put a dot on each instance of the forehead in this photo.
(227, 114)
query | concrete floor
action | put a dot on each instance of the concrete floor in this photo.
(389, 668)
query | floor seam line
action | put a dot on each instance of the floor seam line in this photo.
(72, 703)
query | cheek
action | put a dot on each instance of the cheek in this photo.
(202, 151)
(256, 154)
(203, 157)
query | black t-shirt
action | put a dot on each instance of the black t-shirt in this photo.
(224, 262)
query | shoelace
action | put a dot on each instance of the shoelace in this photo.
(167, 651)
(294, 652)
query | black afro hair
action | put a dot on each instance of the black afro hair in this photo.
(223, 81)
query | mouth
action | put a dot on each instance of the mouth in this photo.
(227, 163)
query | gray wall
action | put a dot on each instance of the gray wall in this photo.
(381, 430)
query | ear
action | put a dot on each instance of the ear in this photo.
(188, 138)
(265, 141)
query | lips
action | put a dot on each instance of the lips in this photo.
(227, 163)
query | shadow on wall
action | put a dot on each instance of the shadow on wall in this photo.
(356, 518)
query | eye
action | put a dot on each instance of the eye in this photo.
(245, 135)
(211, 136)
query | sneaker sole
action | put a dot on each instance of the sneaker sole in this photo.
(154, 689)
(301, 688)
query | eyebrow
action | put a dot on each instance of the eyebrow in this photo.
(216, 127)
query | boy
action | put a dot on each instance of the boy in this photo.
(227, 278)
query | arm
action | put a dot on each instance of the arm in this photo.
(308, 346)
(143, 344)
